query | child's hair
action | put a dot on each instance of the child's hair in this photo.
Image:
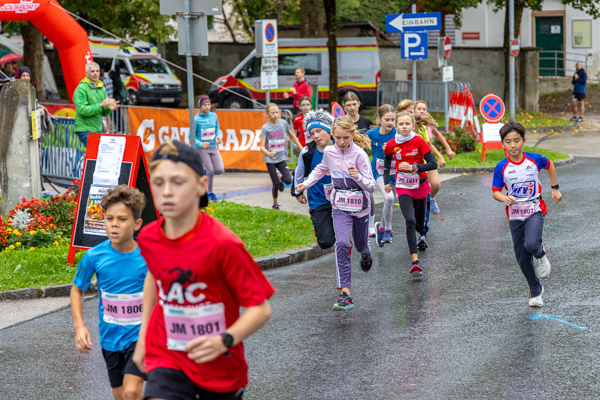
(269, 106)
(423, 121)
(168, 148)
(404, 104)
(512, 127)
(345, 124)
(421, 102)
(132, 198)
(304, 98)
(350, 96)
(405, 114)
(384, 109)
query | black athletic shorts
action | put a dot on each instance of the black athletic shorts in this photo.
(120, 363)
(171, 384)
(578, 96)
(323, 223)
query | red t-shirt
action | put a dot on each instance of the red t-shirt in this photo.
(299, 127)
(412, 152)
(302, 89)
(214, 260)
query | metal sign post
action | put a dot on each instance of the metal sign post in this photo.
(511, 60)
(414, 74)
(190, 67)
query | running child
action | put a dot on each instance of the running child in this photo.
(409, 150)
(386, 131)
(207, 138)
(272, 144)
(352, 182)
(120, 272)
(318, 124)
(518, 174)
(199, 275)
(303, 137)
(351, 104)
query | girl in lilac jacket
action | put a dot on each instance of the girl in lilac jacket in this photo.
(352, 180)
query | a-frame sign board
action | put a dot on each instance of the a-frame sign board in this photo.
(88, 229)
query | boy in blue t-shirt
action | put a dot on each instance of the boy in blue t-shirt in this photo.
(120, 271)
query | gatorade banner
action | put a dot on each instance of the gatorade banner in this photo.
(240, 132)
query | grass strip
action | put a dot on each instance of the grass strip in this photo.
(493, 157)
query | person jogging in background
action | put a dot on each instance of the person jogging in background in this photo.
(412, 187)
(301, 88)
(386, 131)
(318, 123)
(351, 104)
(352, 182)
(208, 136)
(579, 88)
(518, 174)
(272, 144)
(199, 275)
(303, 137)
(120, 272)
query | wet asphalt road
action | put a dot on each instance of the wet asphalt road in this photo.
(463, 331)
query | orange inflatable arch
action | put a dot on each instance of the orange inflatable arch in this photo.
(69, 38)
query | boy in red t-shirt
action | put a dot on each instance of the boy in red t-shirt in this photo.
(299, 130)
(412, 187)
(200, 273)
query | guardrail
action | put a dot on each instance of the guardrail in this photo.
(432, 92)
(62, 153)
(560, 63)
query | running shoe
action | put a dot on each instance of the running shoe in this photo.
(275, 207)
(387, 237)
(379, 233)
(366, 262)
(416, 269)
(542, 266)
(212, 196)
(422, 243)
(344, 303)
(537, 300)
(580, 119)
(574, 119)
(435, 210)
(281, 186)
(371, 231)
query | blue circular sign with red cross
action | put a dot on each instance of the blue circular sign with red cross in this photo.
(269, 32)
(492, 108)
(337, 110)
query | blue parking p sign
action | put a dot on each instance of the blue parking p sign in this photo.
(413, 45)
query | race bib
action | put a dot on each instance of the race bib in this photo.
(276, 145)
(122, 309)
(328, 189)
(405, 180)
(521, 211)
(186, 323)
(346, 200)
(208, 134)
(379, 166)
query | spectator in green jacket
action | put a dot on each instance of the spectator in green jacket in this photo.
(91, 103)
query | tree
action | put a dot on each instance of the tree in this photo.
(244, 13)
(33, 54)
(330, 15)
(311, 19)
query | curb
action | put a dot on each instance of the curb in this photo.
(458, 170)
(310, 252)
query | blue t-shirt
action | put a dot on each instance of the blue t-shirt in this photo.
(377, 142)
(316, 193)
(207, 129)
(117, 273)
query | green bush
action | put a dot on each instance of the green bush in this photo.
(460, 140)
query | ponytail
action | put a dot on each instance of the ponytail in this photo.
(345, 124)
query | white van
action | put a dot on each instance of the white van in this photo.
(147, 78)
(358, 71)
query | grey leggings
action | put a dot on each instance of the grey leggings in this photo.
(213, 164)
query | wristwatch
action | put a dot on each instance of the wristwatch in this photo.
(555, 186)
(227, 340)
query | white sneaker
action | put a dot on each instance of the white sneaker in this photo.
(371, 231)
(542, 266)
(537, 301)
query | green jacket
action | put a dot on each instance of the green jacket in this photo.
(88, 104)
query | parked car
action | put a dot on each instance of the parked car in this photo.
(147, 78)
(358, 71)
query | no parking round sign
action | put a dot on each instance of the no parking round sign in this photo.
(492, 108)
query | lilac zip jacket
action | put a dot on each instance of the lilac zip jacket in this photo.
(337, 163)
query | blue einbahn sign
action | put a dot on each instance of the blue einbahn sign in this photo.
(417, 22)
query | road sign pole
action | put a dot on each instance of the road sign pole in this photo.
(267, 97)
(446, 116)
(414, 74)
(511, 59)
(189, 65)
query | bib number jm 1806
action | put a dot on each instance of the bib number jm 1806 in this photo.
(122, 309)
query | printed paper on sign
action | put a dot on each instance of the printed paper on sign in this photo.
(110, 157)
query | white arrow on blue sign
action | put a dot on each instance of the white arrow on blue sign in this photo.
(413, 22)
(413, 45)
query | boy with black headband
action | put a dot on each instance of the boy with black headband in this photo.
(191, 343)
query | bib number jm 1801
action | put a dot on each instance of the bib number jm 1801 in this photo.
(186, 323)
